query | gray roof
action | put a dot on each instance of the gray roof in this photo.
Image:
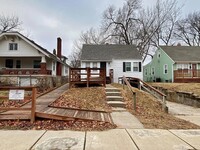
(182, 53)
(108, 52)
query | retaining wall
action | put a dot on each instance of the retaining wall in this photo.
(187, 98)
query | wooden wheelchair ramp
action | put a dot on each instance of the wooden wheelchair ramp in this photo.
(72, 114)
(43, 110)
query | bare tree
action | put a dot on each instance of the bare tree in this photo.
(188, 29)
(91, 36)
(119, 23)
(9, 23)
(149, 27)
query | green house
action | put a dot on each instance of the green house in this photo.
(174, 64)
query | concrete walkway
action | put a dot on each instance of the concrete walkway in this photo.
(116, 139)
(185, 112)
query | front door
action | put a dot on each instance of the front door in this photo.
(194, 70)
(103, 65)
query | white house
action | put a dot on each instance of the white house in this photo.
(118, 60)
(25, 61)
(22, 56)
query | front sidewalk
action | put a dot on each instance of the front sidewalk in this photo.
(116, 139)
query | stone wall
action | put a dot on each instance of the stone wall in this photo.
(42, 82)
(187, 98)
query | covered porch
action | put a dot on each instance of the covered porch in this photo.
(25, 66)
(187, 75)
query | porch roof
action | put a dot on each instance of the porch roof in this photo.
(182, 53)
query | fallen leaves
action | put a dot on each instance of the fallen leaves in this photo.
(149, 111)
(78, 125)
(92, 98)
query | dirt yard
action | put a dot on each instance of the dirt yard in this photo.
(186, 87)
(149, 112)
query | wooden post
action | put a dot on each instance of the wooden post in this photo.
(88, 76)
(69, 78)
(33, 107)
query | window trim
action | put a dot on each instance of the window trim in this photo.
(165, 69)
(86, 65)
(138, 66)
(152, 70)
(127, 66)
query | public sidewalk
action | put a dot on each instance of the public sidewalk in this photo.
(185, 112)
(116, 139)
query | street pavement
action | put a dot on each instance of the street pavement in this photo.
(115, 139)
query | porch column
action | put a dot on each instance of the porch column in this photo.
(43, 65)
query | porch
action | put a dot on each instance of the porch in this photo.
(24, 71)
(187, 75)
(87, 76)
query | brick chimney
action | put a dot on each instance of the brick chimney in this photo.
(59, 55)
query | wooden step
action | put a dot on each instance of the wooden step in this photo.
(114, 98)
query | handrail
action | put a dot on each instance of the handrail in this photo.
(151, 90)
(134, 93)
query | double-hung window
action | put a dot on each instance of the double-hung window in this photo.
(13, 46)
(127, 66)
(165, 68)
(136, 66)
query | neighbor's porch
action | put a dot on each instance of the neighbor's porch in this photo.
(25, 66)
(187, 75)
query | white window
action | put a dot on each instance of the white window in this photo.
(165, 67)
(136, 66)
(13, 46)
(87, 64)
(128, 66)
(94, 64)
(179, 66)
(152, 71)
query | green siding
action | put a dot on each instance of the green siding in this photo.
(158, 63)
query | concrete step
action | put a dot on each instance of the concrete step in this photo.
(112, 90)
(116, 104)
(113, 93)
(118, 109)
(114, 98)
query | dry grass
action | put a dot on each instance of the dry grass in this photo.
(92, 98)
(149, 112)
(186, 87)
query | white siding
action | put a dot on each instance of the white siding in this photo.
(117, 66)
(24, 49)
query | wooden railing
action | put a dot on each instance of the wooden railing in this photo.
(186, 73)
(144, 86)
(23, 71)
(32, 97)
(87, 75)
(130, 88)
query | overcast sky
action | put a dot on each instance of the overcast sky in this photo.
(45, 20)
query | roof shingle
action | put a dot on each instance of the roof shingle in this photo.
(108, 52)
(182, 53)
